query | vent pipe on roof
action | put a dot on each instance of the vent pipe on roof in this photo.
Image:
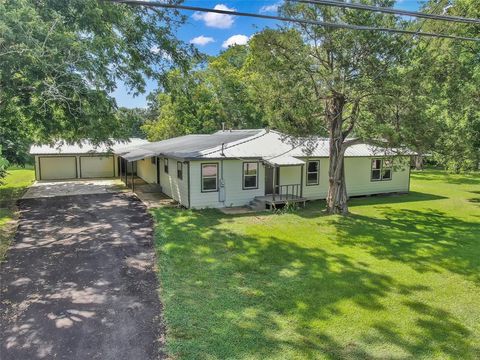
(222, 153)
(223, 126)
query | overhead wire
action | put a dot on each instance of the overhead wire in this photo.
(157, 4)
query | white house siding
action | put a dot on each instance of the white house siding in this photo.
(147, 171)
(171, 185)
(357, 177)
(358, 174)
(235, 195)
(313, 192)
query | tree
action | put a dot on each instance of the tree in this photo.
(218, 90)
(321, 79)
(61, 60)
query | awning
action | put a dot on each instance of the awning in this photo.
(283, 160)
(138, 154)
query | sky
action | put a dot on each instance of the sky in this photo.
(212, 33)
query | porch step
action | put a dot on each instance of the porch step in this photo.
(257, 205)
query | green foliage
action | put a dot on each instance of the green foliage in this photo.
(398, 278)
(200, 100)
(61, 60)
(3, 166)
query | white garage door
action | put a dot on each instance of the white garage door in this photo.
(58, 167)
(96, 166)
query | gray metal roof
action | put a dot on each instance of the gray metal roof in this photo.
(84, 147)
(192, 146)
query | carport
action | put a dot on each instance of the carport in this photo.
(128, 161)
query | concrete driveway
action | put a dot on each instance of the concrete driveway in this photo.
(43, 189)
(79, 281)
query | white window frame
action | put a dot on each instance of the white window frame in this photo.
(209, 177)
(381, 169)
(244, 175)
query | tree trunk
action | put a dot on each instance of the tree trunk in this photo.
(419, 161)
(337, 191)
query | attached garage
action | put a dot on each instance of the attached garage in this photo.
(57, 167)
(97, 166)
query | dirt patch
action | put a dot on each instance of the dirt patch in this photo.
(79, 281)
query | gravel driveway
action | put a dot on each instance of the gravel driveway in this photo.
(79, 281)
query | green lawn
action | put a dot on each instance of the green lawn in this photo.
(398, 279)
(17, 180)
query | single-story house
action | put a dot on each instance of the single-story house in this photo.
(232, 167)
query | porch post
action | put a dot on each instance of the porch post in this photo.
(274, 181)
(301, 180)
(133, 180)
(126, 173)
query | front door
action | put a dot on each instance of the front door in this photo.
(269, 179)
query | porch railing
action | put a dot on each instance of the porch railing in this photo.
(286, 192)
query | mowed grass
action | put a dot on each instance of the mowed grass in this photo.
(14, 185)
(397, 279)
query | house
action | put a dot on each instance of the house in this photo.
(236, 167)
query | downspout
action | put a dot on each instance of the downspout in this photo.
(188, 184)
(222, 190)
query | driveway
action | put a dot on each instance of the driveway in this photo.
(79, 281)
(41, 189)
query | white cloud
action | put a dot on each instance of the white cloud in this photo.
(202, 40)
(270, 8)
(235, 40)
(220, 21)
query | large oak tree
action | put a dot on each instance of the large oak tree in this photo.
(60, 60)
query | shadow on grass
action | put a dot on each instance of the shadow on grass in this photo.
(428, 240)
(438, 175)
(231, 295)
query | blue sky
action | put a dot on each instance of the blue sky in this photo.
(213, 32)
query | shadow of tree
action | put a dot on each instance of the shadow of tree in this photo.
(439, 175)
(231, 295)
(79, 281)
(428, 240)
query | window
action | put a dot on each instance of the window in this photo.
(313, 169)
(381, 170)
(165, 166)
(209, 177)
(153, 160)
(387, 170)
(250, 175)
(179, 170)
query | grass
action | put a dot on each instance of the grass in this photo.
(16, 182)
(397, 279)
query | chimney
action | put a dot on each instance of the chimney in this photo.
(223, 126)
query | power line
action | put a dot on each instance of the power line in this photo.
(154, 4)
(390, 10)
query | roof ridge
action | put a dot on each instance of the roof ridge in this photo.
(229, 145)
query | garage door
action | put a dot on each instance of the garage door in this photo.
(96, 166)
(58, 167)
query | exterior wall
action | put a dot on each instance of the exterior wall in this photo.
(358, 173)
(77, 161)
(147, 171)
(313, 192)
(357, 177)
(234, 194)
(171, 185)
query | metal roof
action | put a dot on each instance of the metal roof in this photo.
(84, 147)
(192, 146)
(283, 160)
